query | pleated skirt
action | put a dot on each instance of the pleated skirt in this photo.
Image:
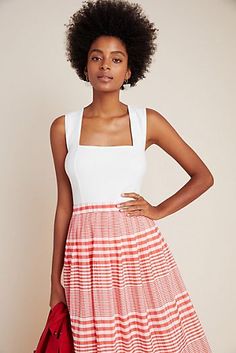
(123, 288)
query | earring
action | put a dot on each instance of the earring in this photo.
(86, 75)
(87, 83)
(126, 83)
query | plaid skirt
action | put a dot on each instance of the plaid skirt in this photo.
(123, 288)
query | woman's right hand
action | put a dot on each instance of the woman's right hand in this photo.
(57, 295)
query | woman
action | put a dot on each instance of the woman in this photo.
(121, 283)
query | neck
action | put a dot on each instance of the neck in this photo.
(106, 103)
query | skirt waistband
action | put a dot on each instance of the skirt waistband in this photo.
(95, 207)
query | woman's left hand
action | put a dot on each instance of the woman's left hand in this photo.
(137, 207)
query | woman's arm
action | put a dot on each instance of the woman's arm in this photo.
(64, 198)
(161, 133)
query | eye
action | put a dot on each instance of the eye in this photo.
(95, 57)
(118, 59)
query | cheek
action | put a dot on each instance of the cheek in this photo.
(92, 67)
(119, 71)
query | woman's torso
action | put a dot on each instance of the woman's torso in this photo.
(99, 174)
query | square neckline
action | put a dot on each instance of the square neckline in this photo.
(130, 113)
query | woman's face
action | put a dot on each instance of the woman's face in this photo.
(107, 57)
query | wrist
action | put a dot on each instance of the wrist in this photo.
(55, 281)
(158, 213)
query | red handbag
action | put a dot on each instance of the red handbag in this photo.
(57, 334)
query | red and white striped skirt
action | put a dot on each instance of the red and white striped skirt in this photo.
(123, 288)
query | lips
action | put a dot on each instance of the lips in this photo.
(105, 77)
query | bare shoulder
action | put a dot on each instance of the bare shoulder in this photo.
(59, 151)
(58, 125)
(57, 131)
(163, 134)
(157, 127)
(57, 137)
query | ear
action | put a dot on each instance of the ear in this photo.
(128, 74)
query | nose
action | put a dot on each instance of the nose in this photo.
(104, 65)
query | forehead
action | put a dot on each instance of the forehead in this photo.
(108, 44)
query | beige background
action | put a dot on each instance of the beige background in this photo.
(191, 82)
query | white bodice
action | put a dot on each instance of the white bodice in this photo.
(99, 174)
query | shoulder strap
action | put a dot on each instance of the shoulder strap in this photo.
(140, 124)
(139, 127)
(72, 128)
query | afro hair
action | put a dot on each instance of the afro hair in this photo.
(118, 18)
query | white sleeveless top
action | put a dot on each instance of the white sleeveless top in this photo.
(99, 174)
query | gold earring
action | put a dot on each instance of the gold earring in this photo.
(86, 75)
(126, 83)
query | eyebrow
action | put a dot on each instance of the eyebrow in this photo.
(115, 51)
